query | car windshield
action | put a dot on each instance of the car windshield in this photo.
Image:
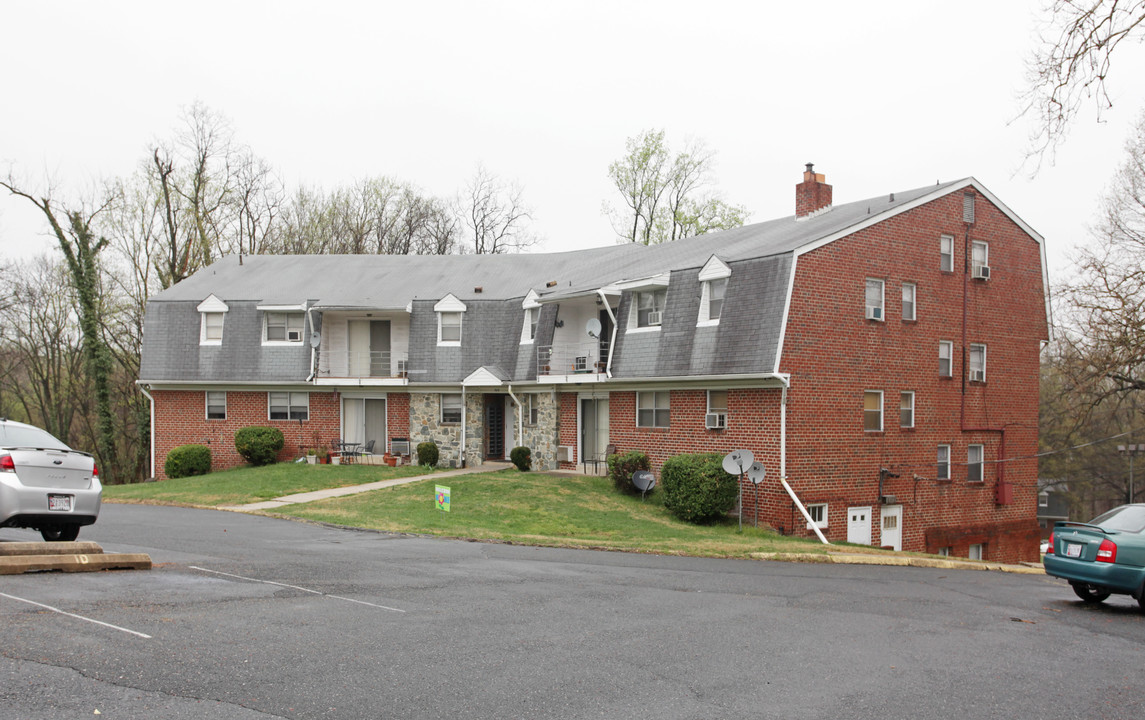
(14, 436)
(1127, 518)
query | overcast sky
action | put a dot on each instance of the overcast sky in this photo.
(881, 96)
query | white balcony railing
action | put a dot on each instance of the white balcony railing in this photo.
(366, 364)
(572, 358)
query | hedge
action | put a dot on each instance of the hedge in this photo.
(259, 445)
(696, 487)
(188, 461)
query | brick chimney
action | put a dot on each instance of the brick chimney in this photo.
(812, 194)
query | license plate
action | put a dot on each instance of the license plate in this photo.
(62, 503)
(1073, 550)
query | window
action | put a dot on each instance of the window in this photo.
(974, 463)
(946, 253)
(906, 409)
(284, 326)
(212, 330)
(216, 405)
(945, 358)
(650, 308)
(873, 410)
(943, 471)
(652, 409)
(944, 551)
(715, 291)
(289, 405)
(977, 551)
(449, 327)
(532, 316)
(717, 416)
(1043, 499)
(979, 257)
(451, 408)
(977, 363)
(908, 293)
(818, 513)
(529, 408)
(874, 299)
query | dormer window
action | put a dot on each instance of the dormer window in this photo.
(713, 287)
(650, 308)
(211, 314)
(532, 315)
(285, 326)
(449, 319)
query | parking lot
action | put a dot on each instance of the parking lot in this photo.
(246, 616)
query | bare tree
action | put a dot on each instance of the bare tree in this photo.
(494, 215)
(1069, 68)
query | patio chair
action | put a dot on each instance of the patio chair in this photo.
(367, 449)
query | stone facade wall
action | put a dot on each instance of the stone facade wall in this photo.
(541, 438)
(425, 425)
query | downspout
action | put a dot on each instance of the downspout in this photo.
(520, 434)
(313, 350)
(783, 463)
(152, 401)
(462, 458)
(612, 340)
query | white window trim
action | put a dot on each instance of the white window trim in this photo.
(634, 310)
(903, 395)
(1043, 499)
(970, 361)
(821, 524)
(913, 301)
(976, 551)
(289, 404)
(941, 254)
(655, 409)
(441, 409)
(949, 345)
(529, 405)
(882, 306)
(937, 474)
(980, 462)
(283, 343)
(460, 328)
(207, 405)
(985, 254)
(529, 305)
(882, 419)
(212, 305)
(450, 304)
(714, 269)
(203, 339)
(722, 410)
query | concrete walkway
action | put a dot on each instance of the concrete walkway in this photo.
(355, 489)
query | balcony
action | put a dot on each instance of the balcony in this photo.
(573, 361)
(383, 365)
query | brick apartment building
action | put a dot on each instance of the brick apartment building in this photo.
(882, 355)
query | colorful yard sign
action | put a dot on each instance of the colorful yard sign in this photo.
(442, 495)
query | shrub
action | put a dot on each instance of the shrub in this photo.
(427, 453)
(259, 445)
(187, 461)
(522, 457)
(696, 488)
(621, 467)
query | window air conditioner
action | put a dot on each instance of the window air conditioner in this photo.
(715, 421)
(981, 272)
(564, 453)
(874, 313)
(294, 336)
(977, 376)
(654, 317)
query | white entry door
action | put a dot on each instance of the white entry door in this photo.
(892, 527)
(859, 525)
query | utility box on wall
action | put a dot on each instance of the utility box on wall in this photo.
(1003, 493)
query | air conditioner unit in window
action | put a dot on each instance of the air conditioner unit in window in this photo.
(654, 317)
(715, 421)
(294, 336)
(874, 313)
(977, 376)
(981, 272)
(564, 453)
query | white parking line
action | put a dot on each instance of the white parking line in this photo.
(295, 587)
(78, 617)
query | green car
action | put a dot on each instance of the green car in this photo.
(1103, 557)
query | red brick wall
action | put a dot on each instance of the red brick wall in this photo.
(397, 417)
(180, 419)
(567, 426)
(833, 354)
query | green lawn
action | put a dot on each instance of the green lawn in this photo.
(248, 485)
(526, 508)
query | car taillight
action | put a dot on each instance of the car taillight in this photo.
(1107, 552)
(94, 471)
(1050, 549)
(6, 464)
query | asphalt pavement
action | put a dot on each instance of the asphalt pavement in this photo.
(249, 616)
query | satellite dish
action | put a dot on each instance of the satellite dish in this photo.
(592, 327)
(644, 481)
(756, 473)
(738, 461)
(315, 339)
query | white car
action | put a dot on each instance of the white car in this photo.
(44, 484)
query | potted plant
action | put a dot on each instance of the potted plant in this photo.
(323, 454)
(311, 456)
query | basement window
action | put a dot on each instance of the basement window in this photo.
(818, 513)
